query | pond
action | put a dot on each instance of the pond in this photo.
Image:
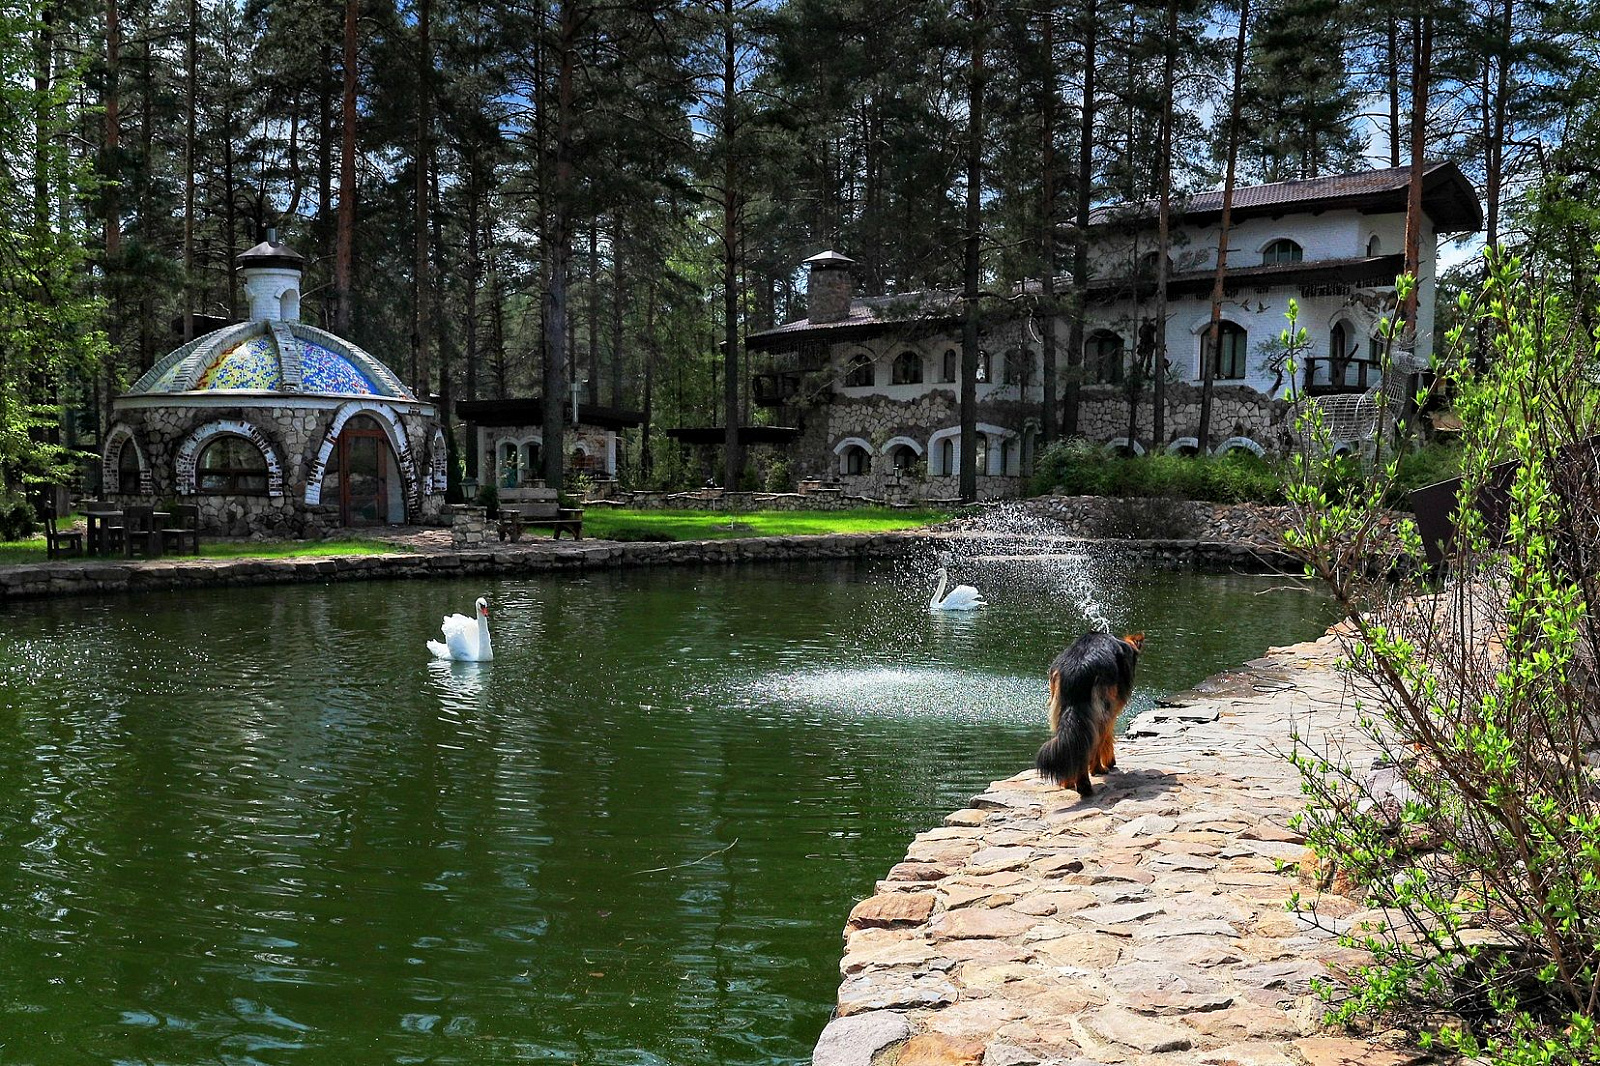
(259, 825)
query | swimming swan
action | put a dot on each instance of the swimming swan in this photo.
(465, 641)
(961, 598)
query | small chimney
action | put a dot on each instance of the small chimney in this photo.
(829, 292)
(272, 280)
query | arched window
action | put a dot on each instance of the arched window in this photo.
(981, 455)
(943, 458)
(1103, 359)
(1374, 246)
(907, 369)
(1282, 250)
(128, 466)
(902, 457)
(1008, 451)
(952, 366)
(855, 460)
(532, 460)
(858, 373)
(1231, 351)
(1148, 263)
(984, 367)
(231, 466)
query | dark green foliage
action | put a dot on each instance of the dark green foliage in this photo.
(1075, 468)
(17, 516)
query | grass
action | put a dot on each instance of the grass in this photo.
(13, 552)
(628, 524)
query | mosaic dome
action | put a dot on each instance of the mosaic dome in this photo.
(278, 356)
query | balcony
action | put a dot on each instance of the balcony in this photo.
(1325, 376)
(774, 388)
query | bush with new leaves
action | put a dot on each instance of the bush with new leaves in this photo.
(1478, 831)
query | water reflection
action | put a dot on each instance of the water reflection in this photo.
(272, 828)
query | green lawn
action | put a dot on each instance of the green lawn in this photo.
(625, 524)
(32, 551)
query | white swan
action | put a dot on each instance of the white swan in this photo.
(464, 640)
(961, 598)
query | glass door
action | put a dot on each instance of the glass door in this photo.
(363, 459)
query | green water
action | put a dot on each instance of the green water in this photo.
(260, 826)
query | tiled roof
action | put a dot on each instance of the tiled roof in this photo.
(1448, 197)
(930, 305)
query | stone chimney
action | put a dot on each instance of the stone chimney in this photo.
(831, 287)
(272, 280)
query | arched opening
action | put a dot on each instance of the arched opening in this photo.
(506, 465)
(1103, 358)
(854, 459)
(947, 457)
(858, 372)
(952, 366)
(229, 466)
(981, 455)
(907, 369)
(364, 476)
(1374, 245)
(128, 467)
(289, 305)
(1282, 251)
(902, 457)
(984, 367)
(532, 461)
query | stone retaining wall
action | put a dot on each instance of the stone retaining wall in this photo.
(94, 577)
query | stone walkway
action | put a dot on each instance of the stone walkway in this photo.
(1146, 925)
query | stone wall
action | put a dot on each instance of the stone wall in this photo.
(292, 435)
(95, 577)
(1236, 411)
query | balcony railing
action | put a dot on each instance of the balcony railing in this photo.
(1326, 376)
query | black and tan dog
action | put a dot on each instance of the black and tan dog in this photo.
(1090, 684)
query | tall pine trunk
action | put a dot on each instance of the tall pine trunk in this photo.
(1047, 227)
(1158, 413)
(1422, 59)
(1209, 351)
(422, 291)
(732, 459)
(191, 105)
(559, 255)
(971, 264)
(1085, 199)
(345, 240)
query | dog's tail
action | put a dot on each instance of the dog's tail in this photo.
(1064, 758)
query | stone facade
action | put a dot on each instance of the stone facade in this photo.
(292, 433)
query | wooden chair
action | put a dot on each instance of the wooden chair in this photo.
(60, 542)
(141, 536)
(184, 532)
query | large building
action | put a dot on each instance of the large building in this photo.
(872, 382)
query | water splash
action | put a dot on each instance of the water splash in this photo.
(1033, 555)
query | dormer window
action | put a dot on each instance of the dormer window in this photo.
(858, 372)
(1281, 251)
(1374, 246)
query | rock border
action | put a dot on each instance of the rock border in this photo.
(106, 577)
(1144, 926)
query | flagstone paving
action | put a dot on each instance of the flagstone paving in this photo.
(1145, 925)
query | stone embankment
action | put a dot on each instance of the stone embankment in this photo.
(1146, 926)
(94, 577)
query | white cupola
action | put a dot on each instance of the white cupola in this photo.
(272, 280)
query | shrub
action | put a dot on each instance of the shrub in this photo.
(489, 498)
(1077, 468)
(1479, 836)
(17, 517)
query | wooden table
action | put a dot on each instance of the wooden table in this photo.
(95, 541)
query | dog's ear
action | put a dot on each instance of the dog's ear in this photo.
(1134, 639)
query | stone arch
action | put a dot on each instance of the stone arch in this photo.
(118, 437)
(859, 442)
(1118, 443)
(188, 457)
(1246, 443)
(1178, 445)
(896, 442)
(386, 417)
(438, 463)
(842, 451)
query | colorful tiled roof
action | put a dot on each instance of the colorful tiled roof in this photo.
(247, 357)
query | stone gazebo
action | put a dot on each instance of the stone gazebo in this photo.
(275, 427)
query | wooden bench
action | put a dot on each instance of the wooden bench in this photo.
(551, 515)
